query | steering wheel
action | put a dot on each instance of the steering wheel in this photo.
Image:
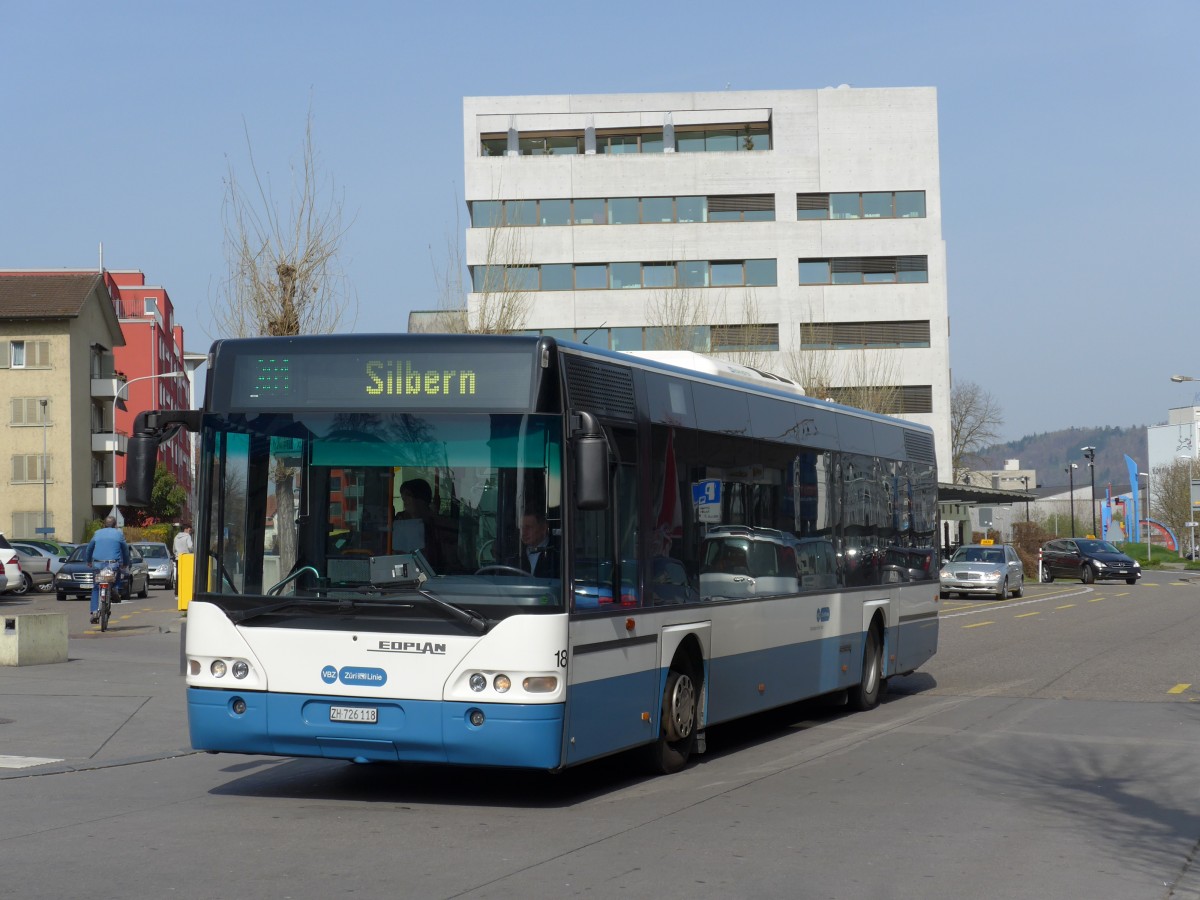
(485, 550)
(498, 567)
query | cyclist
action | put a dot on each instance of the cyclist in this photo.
(107, 547)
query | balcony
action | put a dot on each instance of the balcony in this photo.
(107, 442)
(106, 388)
(106, 496)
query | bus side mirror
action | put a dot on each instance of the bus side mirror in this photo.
(591, 462)
(140, 459)
(150, 429)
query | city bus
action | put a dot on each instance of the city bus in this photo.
(712, 544)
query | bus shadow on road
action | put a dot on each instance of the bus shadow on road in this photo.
(427, 783)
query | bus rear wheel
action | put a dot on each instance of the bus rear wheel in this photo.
(866, 694)
(677, 728)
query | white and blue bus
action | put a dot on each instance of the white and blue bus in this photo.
(713, 544)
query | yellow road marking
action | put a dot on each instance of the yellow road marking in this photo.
(1179, 689)
(1024, 615)
(1122, 594)
(979, 624)
(1095, 599)
(1065, 606)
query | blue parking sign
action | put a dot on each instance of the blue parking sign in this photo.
(706, 492)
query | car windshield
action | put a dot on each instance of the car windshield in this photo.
(323, 505)
(1097, 547)
(978, 555)
(153, 551)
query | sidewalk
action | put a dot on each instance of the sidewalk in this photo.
(118, 699)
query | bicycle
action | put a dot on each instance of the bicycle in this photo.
(107, 579)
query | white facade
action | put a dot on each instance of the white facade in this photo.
(859, 149)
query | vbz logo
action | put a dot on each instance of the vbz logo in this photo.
(329, 674)
(823, 614)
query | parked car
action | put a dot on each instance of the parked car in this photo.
(58, 548)
(35, 572)
(1088, 560)
(158, 559)
(29, 549)
(983, 569)
(10, 567)
(75, 577)
(902, 564)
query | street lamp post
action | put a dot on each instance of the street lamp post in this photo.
(1090, 454)
(1025, 478)
(1071, 480)
(45, 527)
(116, 512)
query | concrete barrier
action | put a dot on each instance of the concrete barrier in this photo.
(33, 639)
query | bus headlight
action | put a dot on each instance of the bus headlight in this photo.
(240, 669)
(217, 667)
(478, 682)
(540, 684)
(502, 683)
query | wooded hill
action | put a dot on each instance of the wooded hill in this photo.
(1050, 454)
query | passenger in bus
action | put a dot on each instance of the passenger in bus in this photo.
(539, 554)
(417, 496)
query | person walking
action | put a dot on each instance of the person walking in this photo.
(183, 542)
(106, 548)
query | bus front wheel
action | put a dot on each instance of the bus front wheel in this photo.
(677, 729)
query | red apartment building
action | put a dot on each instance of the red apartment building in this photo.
(153, 351)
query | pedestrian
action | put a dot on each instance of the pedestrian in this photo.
(106, 548)
(183, 541)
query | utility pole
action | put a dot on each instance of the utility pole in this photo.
(1090, 454)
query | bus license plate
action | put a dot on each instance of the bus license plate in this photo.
(366, 714)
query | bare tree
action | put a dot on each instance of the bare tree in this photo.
(284, 277)
(678, 314)
(497, 300)
(284, 273)
(975, 417)
(1172, 500)
(862, 377)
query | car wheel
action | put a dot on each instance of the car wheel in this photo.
(1047, 576)
(1019, 589)
(1003, 593)
(145, 591)
(62, 597)
(25, 584)
(45, 588)
(1087, 574)
(945, 595)
(1131, 581)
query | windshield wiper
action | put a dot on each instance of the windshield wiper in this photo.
(241, 615)
(468, 617)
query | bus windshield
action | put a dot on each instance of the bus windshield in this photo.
(326, 505)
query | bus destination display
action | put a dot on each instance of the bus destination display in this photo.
(495, 380)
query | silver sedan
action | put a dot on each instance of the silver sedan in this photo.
(993, 569)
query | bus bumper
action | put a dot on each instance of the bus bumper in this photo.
(514, 735)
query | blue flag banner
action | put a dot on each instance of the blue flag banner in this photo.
(1133, 526)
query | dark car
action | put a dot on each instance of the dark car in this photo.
(909, 564)
(1088, 560)
(75, 577)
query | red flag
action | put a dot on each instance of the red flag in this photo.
(669, 522)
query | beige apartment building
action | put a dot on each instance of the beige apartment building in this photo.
(57, 334)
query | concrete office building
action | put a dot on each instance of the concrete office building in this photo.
(804, 225)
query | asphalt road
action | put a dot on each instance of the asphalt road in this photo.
(1048, 750)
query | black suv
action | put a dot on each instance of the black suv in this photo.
(1088, 560)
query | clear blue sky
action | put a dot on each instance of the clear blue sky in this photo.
(1069, 149)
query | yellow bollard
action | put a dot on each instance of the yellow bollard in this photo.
(185, 579)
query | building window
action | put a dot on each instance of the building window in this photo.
(855, 335)
(865, 270)
(906, 399)
(624, 210)
(28, 411)
(701, 338)
(28, 468)
(149, 306)
(867, 205)
(738, 338)
(30, 522)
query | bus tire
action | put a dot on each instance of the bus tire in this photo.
(865, 695)
(677, 726)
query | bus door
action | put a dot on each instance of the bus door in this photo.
(612, 673)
